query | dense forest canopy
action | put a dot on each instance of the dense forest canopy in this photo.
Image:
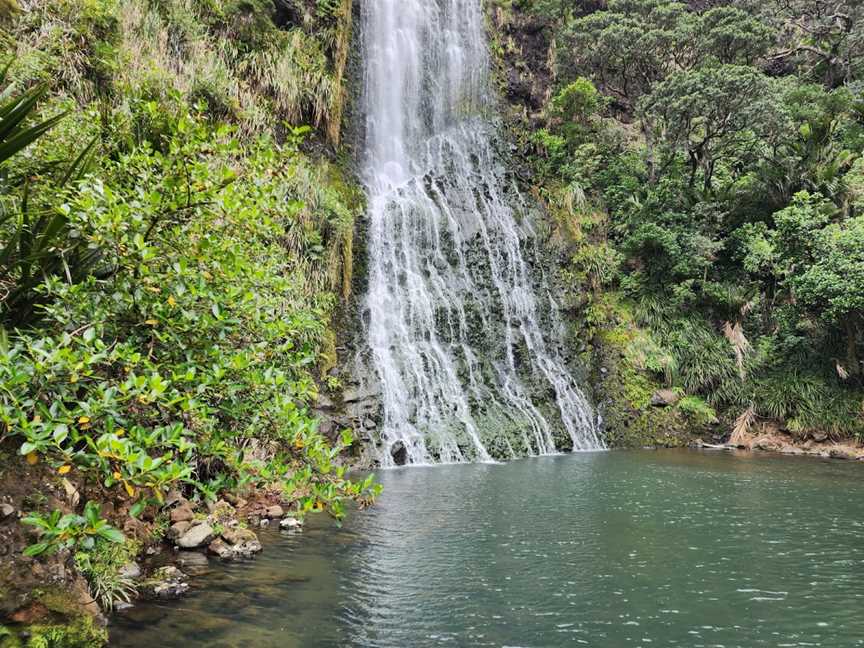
(723, 142)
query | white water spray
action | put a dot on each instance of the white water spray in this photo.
(467, 355)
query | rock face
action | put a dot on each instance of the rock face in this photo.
(196, 536)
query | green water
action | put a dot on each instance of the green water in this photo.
(616, 549)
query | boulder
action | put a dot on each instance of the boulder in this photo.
(196, 536)
(275, 511)
(220, 549)
(178, 529)
(166, 582)
(221, 511)
(239, 536)
(235, 543)
(130, 570)
(399, 453)
(183, 513)
(291, 524)
(664, 398)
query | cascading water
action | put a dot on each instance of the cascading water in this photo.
(463, 337)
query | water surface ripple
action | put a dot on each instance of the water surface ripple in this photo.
(668, 548)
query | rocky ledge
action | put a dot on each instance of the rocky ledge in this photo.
(770, 438)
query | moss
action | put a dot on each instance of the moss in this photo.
(81, 633)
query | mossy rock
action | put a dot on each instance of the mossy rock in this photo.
(81, 633)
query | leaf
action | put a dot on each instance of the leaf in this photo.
(32, 458)
(89, 334)
(61, 431)
(112, 535)
(151, 322)
(91, 512)
(64, 470)
(37, 549)
(130, 490)
(27, 448)
(137, 508)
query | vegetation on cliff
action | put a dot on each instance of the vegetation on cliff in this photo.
(171, 253)
(705, 161)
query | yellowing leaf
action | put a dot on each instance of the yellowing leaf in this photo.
(172, 301)
(83, 420)
(117, 475)
(73, 378)
(151, 322)
(63, 470)
(119, 431)
(37, 419)
(129, 489)
(207, 275)
(32, 458)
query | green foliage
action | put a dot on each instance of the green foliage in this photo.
(103, 567)
(59, 531)
(199, 335)
(729, 167)
(171, 260)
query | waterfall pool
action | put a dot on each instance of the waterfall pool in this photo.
(607, 549)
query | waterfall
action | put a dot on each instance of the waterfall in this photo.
(463, 336)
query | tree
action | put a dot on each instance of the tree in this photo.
(823, 38)
(832, 288)
(713, 115)
(637, 43)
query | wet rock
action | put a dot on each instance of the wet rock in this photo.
(239, 536)
(291, 524)
(399, 453)
(840, 453)
(235, 543)
(264, 523)
(275, 511)
(369, 424)
(6, 511)
(165, 582)
(196, 536)
(183, 513)
(820, 437)
(220, 549)
(664, 398)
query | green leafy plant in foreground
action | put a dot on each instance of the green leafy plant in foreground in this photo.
(104, 567)
(59, 531)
